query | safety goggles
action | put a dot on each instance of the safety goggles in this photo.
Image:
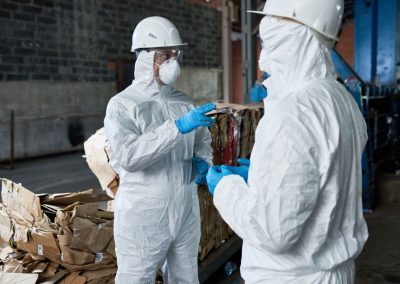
(165, 54)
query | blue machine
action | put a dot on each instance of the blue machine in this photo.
(372, 83)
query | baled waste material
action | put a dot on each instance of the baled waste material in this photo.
(232, 138)
(57, 238)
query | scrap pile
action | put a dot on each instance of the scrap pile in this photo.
(58, 238)
(232, 138)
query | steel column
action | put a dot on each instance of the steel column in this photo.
(226, 51)
(249, 71)
(387, 41)
(375, 55)
(365, 38)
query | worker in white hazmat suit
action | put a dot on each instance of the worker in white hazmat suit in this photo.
(300, 212)
(154, 132)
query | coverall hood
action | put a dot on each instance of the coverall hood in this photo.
(294, 55)
(144, 73)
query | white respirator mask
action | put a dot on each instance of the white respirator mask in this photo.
(169, 71)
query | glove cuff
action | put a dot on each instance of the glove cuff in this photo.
(179, 126)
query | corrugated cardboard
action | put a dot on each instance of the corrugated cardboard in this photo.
(65, 238)
(20, 233)
(86, 210)
(9, 252)
(55, 278)
(64, 217)
(6, 230)
(91, 236)
(64, 199)
(13, 266)
(96, 148)
(50, 271)
(98, 274)
(40, 267)
(21, 201)
(105, 214)
(111, 249)
(107, 262)
(18, 278)
(73, 278)
(42, 243)
(76, 257)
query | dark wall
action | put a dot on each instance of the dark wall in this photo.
(73, 40)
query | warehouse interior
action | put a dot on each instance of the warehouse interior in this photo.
(61, 61)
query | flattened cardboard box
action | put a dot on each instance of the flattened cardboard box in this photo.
(97, 157)
(42, 243)
(18, 278)
(22, 201)
(6, 231)
(65, 199)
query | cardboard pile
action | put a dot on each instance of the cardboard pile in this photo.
(58, 238)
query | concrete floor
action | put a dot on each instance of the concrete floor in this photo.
(379, 263)
(53, 174)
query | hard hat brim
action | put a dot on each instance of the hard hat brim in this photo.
(155, 47)
(256, 12)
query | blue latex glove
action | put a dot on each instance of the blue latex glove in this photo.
(196, 118)
(244, 162)
(258, 93)
(201, 167)
(214, 175)
(242, 170)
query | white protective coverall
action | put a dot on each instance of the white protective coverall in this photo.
(156, 208)
(300, 215)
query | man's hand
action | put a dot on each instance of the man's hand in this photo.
(201, 167)
(214, 176)
(196, 118)
(242, 170)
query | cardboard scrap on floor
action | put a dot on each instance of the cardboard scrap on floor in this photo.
(18, 278)
(55, 238)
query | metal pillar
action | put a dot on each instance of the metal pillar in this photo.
(387, 41)
(227, 51)
(376, 40)
(249, 71)
(365, 39)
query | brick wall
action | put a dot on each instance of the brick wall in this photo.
(72, 40)
(57, 59)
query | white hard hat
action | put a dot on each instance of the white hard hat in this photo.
(155, 32)
(323, 16)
